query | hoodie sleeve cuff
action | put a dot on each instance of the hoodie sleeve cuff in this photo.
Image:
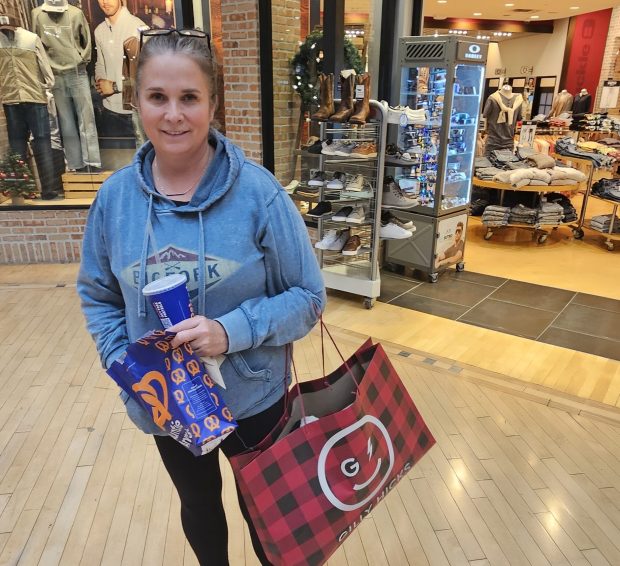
(238, 330)
(115, 355)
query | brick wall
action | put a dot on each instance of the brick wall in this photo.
(241, 66)
(286, 15)
(41, 236)
(609, 59)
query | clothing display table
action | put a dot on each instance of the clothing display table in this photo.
(540, 230)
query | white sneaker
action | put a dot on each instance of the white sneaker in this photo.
(338, 180)
(357, 216)
(333, 240)
(356, 183)
(391, 231)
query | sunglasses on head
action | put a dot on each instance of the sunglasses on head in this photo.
(185, 32)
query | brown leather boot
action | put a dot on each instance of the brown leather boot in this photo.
(345, 108)
(362, 106)
(326, 95)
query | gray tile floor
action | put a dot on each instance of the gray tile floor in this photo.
(578, 321)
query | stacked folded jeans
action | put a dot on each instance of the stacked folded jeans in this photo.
(602, 223)
(521, 214)
(495, 215)
(550, 213)
(608, 189)
(482, 161)
(568, 148)
(570, 214)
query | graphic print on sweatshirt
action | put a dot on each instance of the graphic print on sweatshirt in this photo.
(177, 260)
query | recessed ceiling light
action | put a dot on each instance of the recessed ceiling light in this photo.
(509, 5)
(477, 13)
(442, 1)
(534, 17)
(574, 8)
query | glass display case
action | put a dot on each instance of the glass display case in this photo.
(443, 144)
(441, 84)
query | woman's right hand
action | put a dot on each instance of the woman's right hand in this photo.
(206, 337)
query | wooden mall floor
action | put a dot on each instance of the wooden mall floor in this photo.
(526, 469)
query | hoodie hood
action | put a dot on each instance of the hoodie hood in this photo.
(217, 180)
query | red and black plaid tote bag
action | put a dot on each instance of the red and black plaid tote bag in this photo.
(309, 489)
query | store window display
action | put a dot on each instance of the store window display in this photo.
(65, 34)
(25, 76)
(502, 111)
(116, 35)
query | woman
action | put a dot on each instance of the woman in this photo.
(192, 203)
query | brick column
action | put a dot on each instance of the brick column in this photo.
(241, 70)
(286, 17)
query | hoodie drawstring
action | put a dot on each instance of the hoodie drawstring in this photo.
(202, 279)
(145, 250)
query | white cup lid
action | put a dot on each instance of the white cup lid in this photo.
(164, 284)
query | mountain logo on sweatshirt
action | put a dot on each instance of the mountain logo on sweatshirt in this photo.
(172, 260)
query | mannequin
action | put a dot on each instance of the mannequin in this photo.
(582, 102)
(502, 111)
(24, 97)
(64, 31)
(562, 102)
(110, 35)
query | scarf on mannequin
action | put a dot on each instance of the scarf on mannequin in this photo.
(507, 114)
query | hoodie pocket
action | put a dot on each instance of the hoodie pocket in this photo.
(243, 370)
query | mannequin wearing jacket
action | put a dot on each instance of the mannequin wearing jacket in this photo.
(64, 31)
(502, 111)
(25, 74)
(562, 102)
(582, 102)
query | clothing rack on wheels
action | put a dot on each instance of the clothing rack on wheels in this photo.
(540, 231)
(578, 232)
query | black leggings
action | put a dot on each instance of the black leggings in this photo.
(198, 481)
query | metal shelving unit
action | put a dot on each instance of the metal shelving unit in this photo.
(358, 274)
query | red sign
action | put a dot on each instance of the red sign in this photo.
(584, 59)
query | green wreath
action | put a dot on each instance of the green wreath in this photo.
(306, 66)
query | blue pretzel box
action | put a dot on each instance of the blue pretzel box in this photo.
(171, 384)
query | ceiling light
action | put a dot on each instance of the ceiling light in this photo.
(574, 8)
(509, 5)
(534, 17)
(477, 13)
(442, 1)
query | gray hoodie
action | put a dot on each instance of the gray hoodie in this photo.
(244, 248)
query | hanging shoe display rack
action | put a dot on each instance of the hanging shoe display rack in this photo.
(354, 270)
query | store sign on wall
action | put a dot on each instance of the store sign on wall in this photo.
(475, 52)
(499, 72)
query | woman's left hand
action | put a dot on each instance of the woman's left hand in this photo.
(206, 337)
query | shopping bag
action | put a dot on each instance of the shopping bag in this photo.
(173, 387)
(310, 487)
